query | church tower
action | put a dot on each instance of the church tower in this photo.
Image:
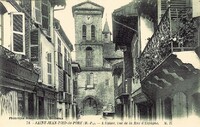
(106, 34)
(95, 82)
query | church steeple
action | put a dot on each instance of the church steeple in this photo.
(106, 29)
(106, 32)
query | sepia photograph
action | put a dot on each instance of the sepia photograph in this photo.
(100, 63)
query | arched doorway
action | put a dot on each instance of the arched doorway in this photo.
(90, 106)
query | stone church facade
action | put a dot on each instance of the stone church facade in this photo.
(95, 54)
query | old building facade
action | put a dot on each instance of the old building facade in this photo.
(36, 61)
(164, 82)
(95, 83)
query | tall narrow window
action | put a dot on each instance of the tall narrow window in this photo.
(45, 14)
(89, 57)
(37, 14)
(18, 33)
(90, 81)
(60, 61)
(49, 68)
(84, 32)
(93, 32)
(1, 29)
(65, 60)
(34, 45)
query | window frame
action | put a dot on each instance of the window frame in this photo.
(39, 10)
(49, 72)
(17, 32)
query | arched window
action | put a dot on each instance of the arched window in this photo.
(84, 29)
(93, 32)
(89, 57)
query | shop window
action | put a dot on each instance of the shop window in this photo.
(84, 32)
(93, 32)
(18, 33)
(89, 57)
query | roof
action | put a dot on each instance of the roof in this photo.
(110, 53)
(62, 33)
(106, 28)
(125, 23)
(81, 6)
(126, 10)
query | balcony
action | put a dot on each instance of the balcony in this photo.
(64, 97)
(16, 69)
(122, 90)
(174, 33)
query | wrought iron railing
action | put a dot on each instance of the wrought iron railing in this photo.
(172, 34)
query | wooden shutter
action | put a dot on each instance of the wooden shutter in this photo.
(34, 45)
(18, 32)
(37, 12)
(45, 15)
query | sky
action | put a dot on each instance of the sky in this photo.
(67, 21)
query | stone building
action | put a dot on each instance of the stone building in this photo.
(95, 54)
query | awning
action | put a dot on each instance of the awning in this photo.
(125, 20)
(6, 7)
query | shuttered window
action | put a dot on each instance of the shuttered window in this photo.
(45, 14)
(18, 33)
(65, 60)
(37, 14)
(60, 59)
(49, 68)
(34, 45)
(93, 32)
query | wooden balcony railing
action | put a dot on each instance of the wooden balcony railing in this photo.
(172, 34)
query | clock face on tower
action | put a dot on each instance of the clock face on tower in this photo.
(88, 19)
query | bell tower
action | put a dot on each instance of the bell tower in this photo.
(88, 34)
(95, 84)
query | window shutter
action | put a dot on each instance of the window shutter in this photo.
(18, 31)
(34, 45)
(37, 12)
(45, 14)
